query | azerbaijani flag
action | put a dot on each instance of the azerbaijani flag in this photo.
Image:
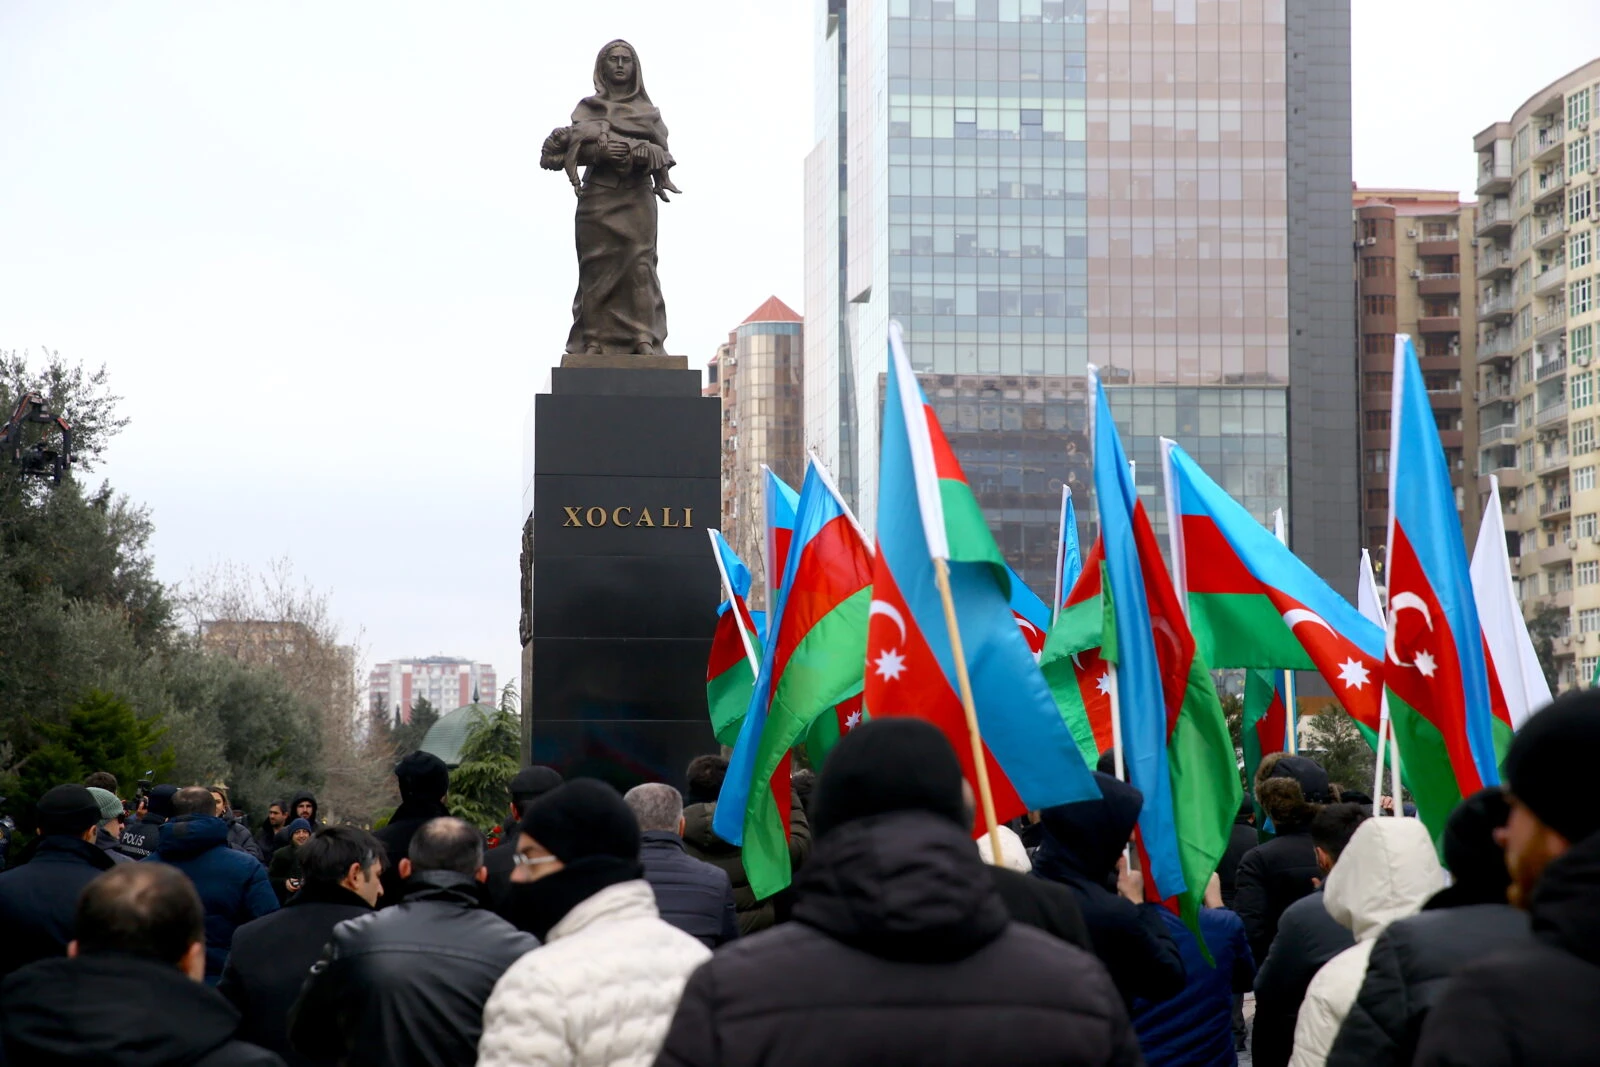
(1069, 559)
(729, 673)
(1174, 735)
(1265, 721)
(926, 512)
(812, 661)
(1254, 604)
(1033, 618)
(1435, 669)
(1075, 666)
(779, 502)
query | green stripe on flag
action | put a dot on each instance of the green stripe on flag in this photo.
(1426, 761)
(1205, 788)
(728, 698)
(1244, 630)
(968, 534)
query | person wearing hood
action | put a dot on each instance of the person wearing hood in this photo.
(406, 986)
(272, 955)
(701, 841)
(267, 838)
(239, 835)
(1083, 849)
(901, 950)
(37, 899)
(285, 869)
(424, 780)
(108, 831)
(1414, 958)
(141, 834)
(1046, 905)
(1386, 874)
(233, 885)
(1279, 872)
(602, 988)
(527, 785)
(1308, 937)
(130, 991)
(303, 805)
(1538, 1004)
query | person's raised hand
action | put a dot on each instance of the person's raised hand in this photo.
(1130, 884)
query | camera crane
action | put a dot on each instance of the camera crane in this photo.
(42, 459)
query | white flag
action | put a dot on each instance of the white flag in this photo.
(1522, 680)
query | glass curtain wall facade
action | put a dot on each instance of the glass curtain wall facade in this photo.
(1035, 185)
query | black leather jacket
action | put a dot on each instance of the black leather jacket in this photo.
(407, 985)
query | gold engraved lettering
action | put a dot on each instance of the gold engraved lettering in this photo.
(572, 517)
(616, 517)
(688, 517)
(644, 518)
(589, 516)
(666, 519)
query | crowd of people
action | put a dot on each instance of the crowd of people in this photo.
(612, 929)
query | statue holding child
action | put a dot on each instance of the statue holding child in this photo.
(618, 136)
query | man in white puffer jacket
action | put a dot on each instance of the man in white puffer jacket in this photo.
(1386, 873)
(602, 989)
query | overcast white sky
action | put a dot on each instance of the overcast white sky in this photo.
(313, 245)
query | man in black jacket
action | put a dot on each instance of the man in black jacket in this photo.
(141, 836)
(424, 780)
(37, 899)
(692, 895)
(1539, 1004)
(1242, 837)
(267, 839)
(405, 987)
(1048, 906)
(131, 990)
(528, 785)
(1307, 938)
(272, 956)
(1275, 874)
(900, 947)
(1082, 849)
(1414, 958)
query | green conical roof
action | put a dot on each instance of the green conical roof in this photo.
(445, 737)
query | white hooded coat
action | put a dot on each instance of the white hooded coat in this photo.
(1386, 873)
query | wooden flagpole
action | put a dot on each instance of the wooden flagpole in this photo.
(733, 603)
(941, 576)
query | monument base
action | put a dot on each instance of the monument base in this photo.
(621, 592)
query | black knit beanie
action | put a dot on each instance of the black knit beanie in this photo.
(422, 776)
(159, 802)
(1477, 864)
(888, 764)
(67, 809)
(581, 818)
(1549, 762)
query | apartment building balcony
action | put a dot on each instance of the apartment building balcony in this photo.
(1561, 598)
(1554, 463)
(1550, 279)
(1557, 555)
(1497, 305)
(1550, 367)
(1554, 507)
(1498, 345)
(1549, 184)
(1494, 260)
(1439, 285)
(1438, 244)
(1549, 230)
(1505, 431)
(1551, 413)
(1495, 390)
(1494, 216)
(1550, 323)
(1494, 178)
(1439, 324)
(1548, 143)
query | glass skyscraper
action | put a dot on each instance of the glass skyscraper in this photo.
(1159, 187)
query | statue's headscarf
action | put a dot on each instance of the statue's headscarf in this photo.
(626, 107)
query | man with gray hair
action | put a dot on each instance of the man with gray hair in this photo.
(406, 985)
(692, 895)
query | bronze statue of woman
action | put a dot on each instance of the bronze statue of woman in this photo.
(618, 136)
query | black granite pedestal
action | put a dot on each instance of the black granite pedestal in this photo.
(621, 594)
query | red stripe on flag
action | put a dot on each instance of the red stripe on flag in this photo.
(727, 649)
(834, 565)
(782, 537)
(1224, 571)
(945, 464)
(1168, 626)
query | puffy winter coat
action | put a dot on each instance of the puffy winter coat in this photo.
(1411, 963)
(1387, 872)
(233, 885)
(273, 956)
(1047, 906)
(240, 837)
(1270, 877)
(1195, 1028)
(601, 991)
(1308, 937)
(691, 894)
(701, 842)
(1080, 848)
(119, 1011)
(900, 952)
(405, 986)
(39, 899)
(111, 846)
(1538, 1005)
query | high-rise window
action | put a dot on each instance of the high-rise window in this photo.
(1583, 479)
(1579, 249)
(1581, 437)
(1580, 296)
(1584, 525)
(1577, 204)
(1578, 155)
(1589, 621)
(1578, 108)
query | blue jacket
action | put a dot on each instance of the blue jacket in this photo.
(1195, 1028)
(233, 885)
(39, 899)
(691, 894)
